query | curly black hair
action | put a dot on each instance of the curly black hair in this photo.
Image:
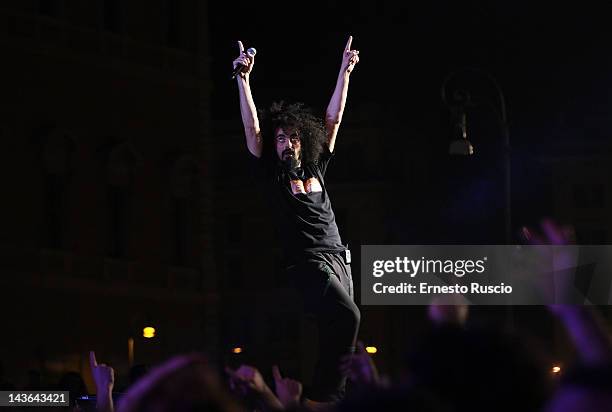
(313, 135)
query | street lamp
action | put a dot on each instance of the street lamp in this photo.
(461, 146)
(461, 100)
(148, 332)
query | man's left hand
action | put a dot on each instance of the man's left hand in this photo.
(349, 57)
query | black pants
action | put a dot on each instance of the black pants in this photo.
(325, 283)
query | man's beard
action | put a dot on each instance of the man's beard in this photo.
(290, 161)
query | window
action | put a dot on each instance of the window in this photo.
(49, 8)
(184, 182)
(112, 16)
(172, 22)
(54, 207)
(57, 157)
(120, 174)
(182, 228)
(234, 275)
(118, 209)
(180, 23)
(234, 229)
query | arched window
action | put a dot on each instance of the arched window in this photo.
(184, 187)
(57, 152)
(120, 169)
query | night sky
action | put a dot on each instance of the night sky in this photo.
(552, 63)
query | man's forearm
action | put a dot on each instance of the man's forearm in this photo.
(587, 332)
(248, 111)
(247, 104)
(104, 400)
(335, 109)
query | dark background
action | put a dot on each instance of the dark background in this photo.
(550, 62)
(128, 200)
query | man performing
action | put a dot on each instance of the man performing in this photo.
(291, 157)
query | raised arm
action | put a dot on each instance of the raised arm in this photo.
(588, 332)
(583, 324)
(335, 109)
(248, 110)
(104, 377)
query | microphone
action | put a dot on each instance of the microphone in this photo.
(292, 166)
(251, 53)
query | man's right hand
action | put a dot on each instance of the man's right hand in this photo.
(244, 60)
(247, 378)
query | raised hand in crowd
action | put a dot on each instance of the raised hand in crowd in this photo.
(288, 391)
(183, 383)
(549, 233)
(582, 323)
(448, 311)
(244, 60)
(558, 261)
(587, 331)
(248, 382)
(104, 377)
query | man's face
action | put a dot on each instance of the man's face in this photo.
(288, 144)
